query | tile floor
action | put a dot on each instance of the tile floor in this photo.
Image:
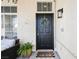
(34, 57)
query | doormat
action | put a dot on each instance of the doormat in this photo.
(45, 54)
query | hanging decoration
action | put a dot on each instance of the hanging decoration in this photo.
(44, 24)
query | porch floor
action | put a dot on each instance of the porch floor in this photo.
(33, 56)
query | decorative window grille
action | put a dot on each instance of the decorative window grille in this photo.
(44, 6)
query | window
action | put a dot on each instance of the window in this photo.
(9, 22)
(10, 26)
(13, 9)
(8, 9)
(2, 21)
(44, 6)
(1, 9)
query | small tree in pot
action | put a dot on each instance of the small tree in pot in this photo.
(25, 50)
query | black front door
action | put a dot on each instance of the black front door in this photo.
(44, 31)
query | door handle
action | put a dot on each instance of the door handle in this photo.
(37, 34)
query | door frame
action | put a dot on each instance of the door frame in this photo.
(52, 27)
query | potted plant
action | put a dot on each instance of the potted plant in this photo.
(25, 50)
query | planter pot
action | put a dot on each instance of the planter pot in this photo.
(29, 52)
(25, 50)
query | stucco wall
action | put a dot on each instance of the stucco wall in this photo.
(66, 39)
(27, 10)
(26, 19)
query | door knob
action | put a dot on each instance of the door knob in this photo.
(38, 34)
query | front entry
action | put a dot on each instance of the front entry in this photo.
(44, 31)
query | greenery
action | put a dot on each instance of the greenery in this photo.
(25, 49)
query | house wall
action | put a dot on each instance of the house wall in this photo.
(64, 28)
(26, 19)
(66, 39)
(27, 10)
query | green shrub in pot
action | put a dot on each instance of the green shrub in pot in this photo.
(25, 49)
